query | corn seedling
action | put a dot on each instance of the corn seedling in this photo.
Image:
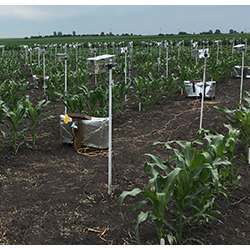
(34, 113)
(15, 117)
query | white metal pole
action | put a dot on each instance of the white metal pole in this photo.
(26, 56)
(39, 57)
(65, 83)
(159, 59)
(242, 76)
(30, 57)
(191, 50)
(76, 58)
(203, 92)
(217, 55)
(44, 83)
(167, 61)
(55, 52)
(110, 134)
(95, 74)
(125, 73)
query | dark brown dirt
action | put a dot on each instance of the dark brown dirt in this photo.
(52, 195)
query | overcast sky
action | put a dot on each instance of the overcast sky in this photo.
(20, 21)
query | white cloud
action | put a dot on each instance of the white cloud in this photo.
(36, 13)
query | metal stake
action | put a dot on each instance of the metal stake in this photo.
(242, 76)
(110, 133)
(203, 91)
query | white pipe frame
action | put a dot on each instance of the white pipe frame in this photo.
(44, 74)
(65, 81)
(203, 92)
(167, 59)
(242, 75)
(110, 131)
(125, 73)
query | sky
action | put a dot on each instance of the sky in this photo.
(21, 21)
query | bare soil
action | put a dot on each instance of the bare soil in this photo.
(52, 195)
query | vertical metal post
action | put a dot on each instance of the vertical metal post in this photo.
(65, 82)
(166, 60)
(191, 50)
(203, 92)
(30, 56)
(110, 132)
(242, 75)
(55, 52)
(125, 73)
(159, 58)
(44, 83)
(39, 57)
(217, 54)
(26, 56)
(76, 58)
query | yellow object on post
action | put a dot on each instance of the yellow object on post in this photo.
(67, 119)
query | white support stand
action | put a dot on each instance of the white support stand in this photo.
(233, 47)
(39, 57)
(130, 61)
(125, 75)
(139, 106)
(55, 52)
(76, 58)
(159, 58)
(2, 47)
(217, 54)
(44, 75)
(203, 92)
(30, 56)
(162, 241)
(65, 82)
(178, 55)
(108, 59)
(242, 76)
(110, 133)
(248, 155)
(26, 56)
(167, 66)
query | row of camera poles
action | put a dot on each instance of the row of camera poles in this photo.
(241, 48)
(28, 57)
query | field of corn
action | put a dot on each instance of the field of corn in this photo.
(173, 183)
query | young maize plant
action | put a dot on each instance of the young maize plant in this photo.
(15, 117)
(240, 119)
(34, 112)
(190, 179)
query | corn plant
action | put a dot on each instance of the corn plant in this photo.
(156, 194)
(222, 150)
(75, 103)
(34, 113)
(11, 92)
(191, 177)
(2, 115)
(15, 117)
(196, 184)
(97, 101)
(240, 118)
